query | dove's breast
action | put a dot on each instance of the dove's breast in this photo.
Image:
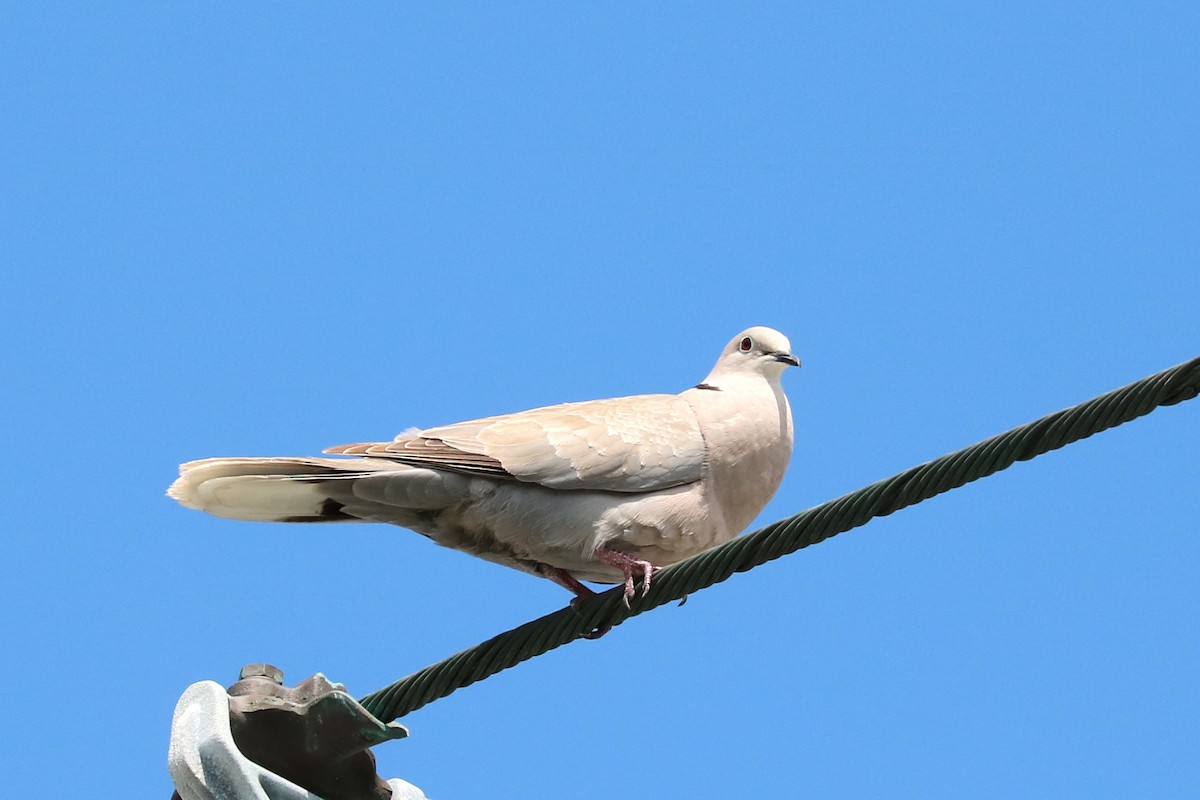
(747, 428)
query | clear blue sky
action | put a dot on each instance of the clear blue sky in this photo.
(233, 230)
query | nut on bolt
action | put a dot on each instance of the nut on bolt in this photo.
(271, 673)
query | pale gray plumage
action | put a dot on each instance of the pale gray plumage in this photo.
(579, 491)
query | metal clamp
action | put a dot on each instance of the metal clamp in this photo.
(262, 740)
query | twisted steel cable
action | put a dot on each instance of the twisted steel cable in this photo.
(809, 527)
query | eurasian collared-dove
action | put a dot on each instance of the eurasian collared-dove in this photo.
(601, 491)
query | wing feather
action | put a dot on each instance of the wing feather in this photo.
(625, 444)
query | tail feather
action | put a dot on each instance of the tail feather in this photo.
(268, 489)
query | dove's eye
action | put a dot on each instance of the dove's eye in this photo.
(746, 344)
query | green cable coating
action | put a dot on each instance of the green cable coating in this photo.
(787, 536)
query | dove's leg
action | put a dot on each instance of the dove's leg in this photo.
(569, 581)
(630, 566)
(565, 580)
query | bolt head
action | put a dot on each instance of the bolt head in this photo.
(271, 673)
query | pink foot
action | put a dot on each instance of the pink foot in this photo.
(571, 583)
(630, 566)
(565, 580)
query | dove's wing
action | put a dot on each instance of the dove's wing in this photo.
(625, 444)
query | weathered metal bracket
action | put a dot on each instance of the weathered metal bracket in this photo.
(262, 740)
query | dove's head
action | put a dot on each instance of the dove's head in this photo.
(758, 350)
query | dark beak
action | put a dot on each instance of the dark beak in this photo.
(787, 358)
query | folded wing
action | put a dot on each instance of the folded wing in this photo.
(625, 444)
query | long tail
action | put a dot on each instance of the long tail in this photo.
(270, 489)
